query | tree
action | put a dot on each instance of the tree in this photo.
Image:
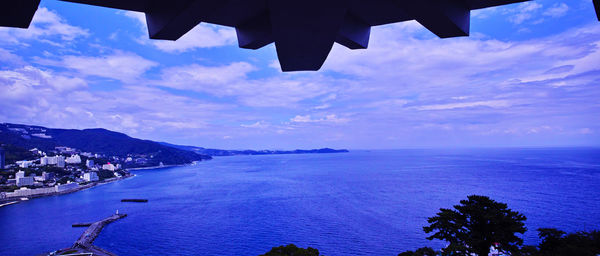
(475, 225)
(559, 243)
(425, 251)
(291, 250)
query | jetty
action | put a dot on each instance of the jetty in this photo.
(84, 245)
(135, 200)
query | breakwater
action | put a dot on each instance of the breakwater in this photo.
(84, 245)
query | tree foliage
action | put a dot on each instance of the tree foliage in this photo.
(475, 225)
(425, 251)
(558, 243)
(292, 250)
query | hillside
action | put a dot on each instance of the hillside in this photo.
(100, 141)
(225, 152)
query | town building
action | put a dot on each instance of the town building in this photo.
(47, 176)
(66, 187)
(30, 192)
(24, 181)
(89, 163)
(65, 150)
(90, 176)
(109, 167)
(53, 160)
(24, 164)
(74, 159)
(36, 151)
(60, 161)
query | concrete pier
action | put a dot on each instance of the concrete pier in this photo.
(87, 238)
(83, 245)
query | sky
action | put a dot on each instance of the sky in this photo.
(528, 76)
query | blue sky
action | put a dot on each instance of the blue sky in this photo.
(529, 75)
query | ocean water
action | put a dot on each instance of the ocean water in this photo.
(357, 203)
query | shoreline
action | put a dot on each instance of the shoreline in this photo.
(15, 200)
(156, 167)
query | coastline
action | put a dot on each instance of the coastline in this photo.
(157, 167)
(15, 200)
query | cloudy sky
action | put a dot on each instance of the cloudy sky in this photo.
(529, 75)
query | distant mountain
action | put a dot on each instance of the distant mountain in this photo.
(100, 141)
(224, 152)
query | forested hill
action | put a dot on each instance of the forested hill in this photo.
(226, 152)
(100, 141)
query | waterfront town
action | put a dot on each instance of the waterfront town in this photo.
(59, 171)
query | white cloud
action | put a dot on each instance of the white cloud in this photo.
(232, 81)
(196, 77)
(203, 35)
(489, 103)
(10, 58)
(34, 96)
(556, 11)
(123, 66)
(258, 125)
(327, 119)
(46, 24)
(524, 11)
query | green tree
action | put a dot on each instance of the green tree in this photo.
(559, 243)
(291, 250)
(475, 225)
(425, 251)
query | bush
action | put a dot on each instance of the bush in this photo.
(292, 250)
(425, 251)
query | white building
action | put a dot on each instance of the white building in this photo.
(31, 192)
(24, 164)
(66, 187)
(89, 163)
(36, 151)
(24, 181)
(90, 176)
(47, 176)
(53, 160)
(74, 159)
(44, 160)
(109, 167)
(60, 161)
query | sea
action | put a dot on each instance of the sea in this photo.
(356, 203)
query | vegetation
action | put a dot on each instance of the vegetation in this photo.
(473, 226)
(425, 251)
(15, 153)
(559, 243)
(97, 141)
(292, 250)
(105, 174)
(64, 180)
(476, 224)
(9, 188)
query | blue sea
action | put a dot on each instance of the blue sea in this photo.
(357, 203)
